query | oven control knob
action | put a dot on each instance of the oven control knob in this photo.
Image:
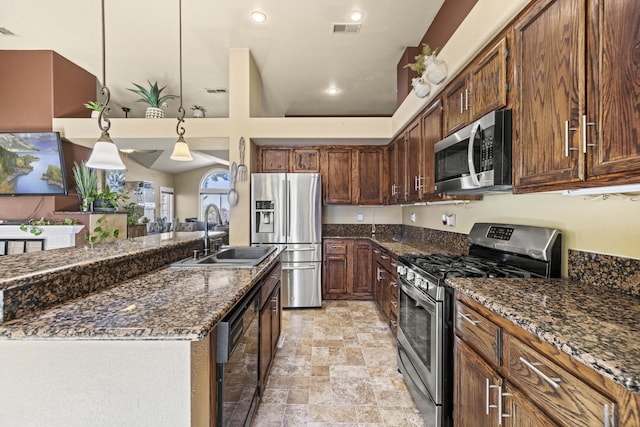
(418, 282)
(410, 275)
(402, 270)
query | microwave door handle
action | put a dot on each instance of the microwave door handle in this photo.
(472, 169)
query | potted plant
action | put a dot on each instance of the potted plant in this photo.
(430, 68)
(198, 111)
(107, 200)
(86, 180)
(153, 97)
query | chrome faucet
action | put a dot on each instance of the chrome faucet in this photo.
(210, 206)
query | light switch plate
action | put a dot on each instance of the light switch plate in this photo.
(412, 217)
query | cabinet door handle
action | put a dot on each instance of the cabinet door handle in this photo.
(584, 133)
(379, 273)
(500, 406)
(553, 382)
(395, 304)
(566, 138)
(468, 319)
(466, 99)
(274, 304)
(461, 103)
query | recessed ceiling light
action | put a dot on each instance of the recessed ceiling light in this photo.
(258, 16)
(356, 15)
(333, 90)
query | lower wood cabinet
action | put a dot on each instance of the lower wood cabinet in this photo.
(346, 269)
(506, 376)
(270, 323)
(385, 279)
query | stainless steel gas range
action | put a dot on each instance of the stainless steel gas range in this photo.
(425, 303)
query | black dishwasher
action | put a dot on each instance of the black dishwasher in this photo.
(237, 347)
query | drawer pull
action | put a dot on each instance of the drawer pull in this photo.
(468, 319)
(553, 382)
(376, 251)
(394, 284)
(384, 257)
(395, 304)
(394, 264)
(489, 387)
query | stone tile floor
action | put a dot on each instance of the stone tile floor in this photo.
(337, 367)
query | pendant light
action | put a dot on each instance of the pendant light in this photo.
(105, 153)
(181, 151)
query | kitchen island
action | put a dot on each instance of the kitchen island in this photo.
(134, 352)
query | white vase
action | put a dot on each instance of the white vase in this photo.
(435, 70)
(198, 114)
(95, 114)
(421, 87)
(154, 113)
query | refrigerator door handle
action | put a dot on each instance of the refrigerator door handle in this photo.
(284, 212)
(308, 267)
(288, 212)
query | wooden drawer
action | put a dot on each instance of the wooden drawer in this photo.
(269, 283)
(562, 396)
(483, 335)
(335, 247)
(384, 258)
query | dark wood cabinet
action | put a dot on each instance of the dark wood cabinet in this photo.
(521, 412)
(431, 134)
(385, 284)
(476, 387)
(402, 190)
(391, 193)
(270, 323)
(337, 175)
(304, 160)
(274, 160)
(477, 91)
(578, 113)
(414, 161)
(346, 270)
(335, 277)
(362, 268)
(288, 159)
(370, 176)
(456, 105)
(488, 81)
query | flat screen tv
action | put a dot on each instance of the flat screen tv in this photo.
(31, 163)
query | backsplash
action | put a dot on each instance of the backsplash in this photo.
(609, 271)
(451, 242)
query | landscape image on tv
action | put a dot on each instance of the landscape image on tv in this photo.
(31, 163)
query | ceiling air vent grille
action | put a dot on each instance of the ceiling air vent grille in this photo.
(346, 28)
(217, 91)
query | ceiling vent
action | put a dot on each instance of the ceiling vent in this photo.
(217, 91)
(346, 28)
(5, 32)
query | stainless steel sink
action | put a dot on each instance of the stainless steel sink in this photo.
(235, 256)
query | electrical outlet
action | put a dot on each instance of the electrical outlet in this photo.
(449, 220)
(412, 217)
(359, 217)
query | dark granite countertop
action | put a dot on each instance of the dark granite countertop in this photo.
(397, 247)
(167, 304)
(600, 327)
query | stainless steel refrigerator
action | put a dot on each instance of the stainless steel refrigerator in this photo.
(286, 208)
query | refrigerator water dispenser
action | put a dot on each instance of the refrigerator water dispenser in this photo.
(264, 216)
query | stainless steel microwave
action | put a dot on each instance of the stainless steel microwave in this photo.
(476, 159)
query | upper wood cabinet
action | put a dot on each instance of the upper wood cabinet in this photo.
(390, 192)
(353, 175)
(481, 89)
(431, 134)
(414, 161)
(370, 176)
(578, 104)
(288, 159)
(273, 160)
(402, 188)
(337, 170)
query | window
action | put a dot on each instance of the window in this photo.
(166, 203)
(214, 189)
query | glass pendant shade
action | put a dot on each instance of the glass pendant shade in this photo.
(105, 154)
(181, 151)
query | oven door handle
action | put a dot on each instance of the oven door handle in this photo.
(419, 299)
(472, 168)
